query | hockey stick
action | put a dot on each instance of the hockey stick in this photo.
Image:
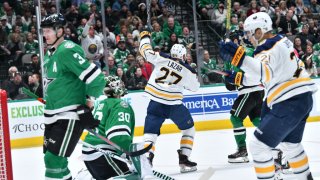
(148, 3)
(207, 174)
(109, 153)
(228, 23)
(31, 94)
(134, 153)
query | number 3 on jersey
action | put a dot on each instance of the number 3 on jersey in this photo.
(124, 116)
(163, 78)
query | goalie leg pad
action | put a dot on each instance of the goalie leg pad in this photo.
(141, 163)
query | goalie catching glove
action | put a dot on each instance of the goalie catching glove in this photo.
(234, 77)
(87, 120)
(229, 51)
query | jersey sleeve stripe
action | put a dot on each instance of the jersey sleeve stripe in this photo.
(267, 73)
(93, 76)
(89, 73)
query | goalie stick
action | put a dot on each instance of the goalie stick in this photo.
(132, 153)
(129, 153)
(111, 154)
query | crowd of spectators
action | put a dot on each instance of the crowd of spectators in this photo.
(118, 54)
(299, 20)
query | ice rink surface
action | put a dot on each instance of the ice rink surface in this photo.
(211, 149)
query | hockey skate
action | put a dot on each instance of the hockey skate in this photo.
(241, 156)
(185, 164)
(281, 165)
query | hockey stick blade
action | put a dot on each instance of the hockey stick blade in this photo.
(132, 153)
(207, 174)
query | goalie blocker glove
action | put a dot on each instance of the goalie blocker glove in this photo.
(234, 77)
(87, 120)
(229, 51)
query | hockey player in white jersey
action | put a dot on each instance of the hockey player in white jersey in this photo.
(171, 75)
(288, 100)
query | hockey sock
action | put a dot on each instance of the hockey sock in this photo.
(56, 166)
(262, 159)
(239, 131)
(186, 142)
(298, 159)
(148, 139)
(256, 121)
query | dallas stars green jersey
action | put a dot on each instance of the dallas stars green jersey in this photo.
(116, 123)
(68, 78)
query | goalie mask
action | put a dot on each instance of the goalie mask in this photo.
(114, 87)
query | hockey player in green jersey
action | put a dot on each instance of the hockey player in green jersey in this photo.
(248, 103)
(68, 79)
(117, 123)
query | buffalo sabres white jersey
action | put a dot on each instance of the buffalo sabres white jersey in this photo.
(277, 67)
(169, 77)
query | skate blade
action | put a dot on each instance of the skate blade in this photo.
(186, 169)
(239, 160)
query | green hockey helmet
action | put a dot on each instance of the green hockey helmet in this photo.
(114, 87)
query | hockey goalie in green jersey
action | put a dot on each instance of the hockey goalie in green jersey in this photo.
(117, 123)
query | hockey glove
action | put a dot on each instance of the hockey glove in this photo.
(229, 51)
(229, 86)
(87, 120)
(144, 34)
(234, 78)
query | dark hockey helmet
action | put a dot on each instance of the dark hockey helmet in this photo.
(114, 87)
(53, 20)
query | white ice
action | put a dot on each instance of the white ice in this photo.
(211, 149)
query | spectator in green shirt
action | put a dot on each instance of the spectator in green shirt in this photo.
(209, 64)
(31, 46)
(157, 36)
(121, 52)
(111, 65)
(206, 7)
(172, 26)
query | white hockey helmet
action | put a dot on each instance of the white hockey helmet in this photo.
(178, 51)
(259, 20)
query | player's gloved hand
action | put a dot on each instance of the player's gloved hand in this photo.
(234, 78)
(229, 86)
(87, 120)
(145, 33)
(230, 51)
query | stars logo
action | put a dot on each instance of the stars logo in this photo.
(46, 82)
